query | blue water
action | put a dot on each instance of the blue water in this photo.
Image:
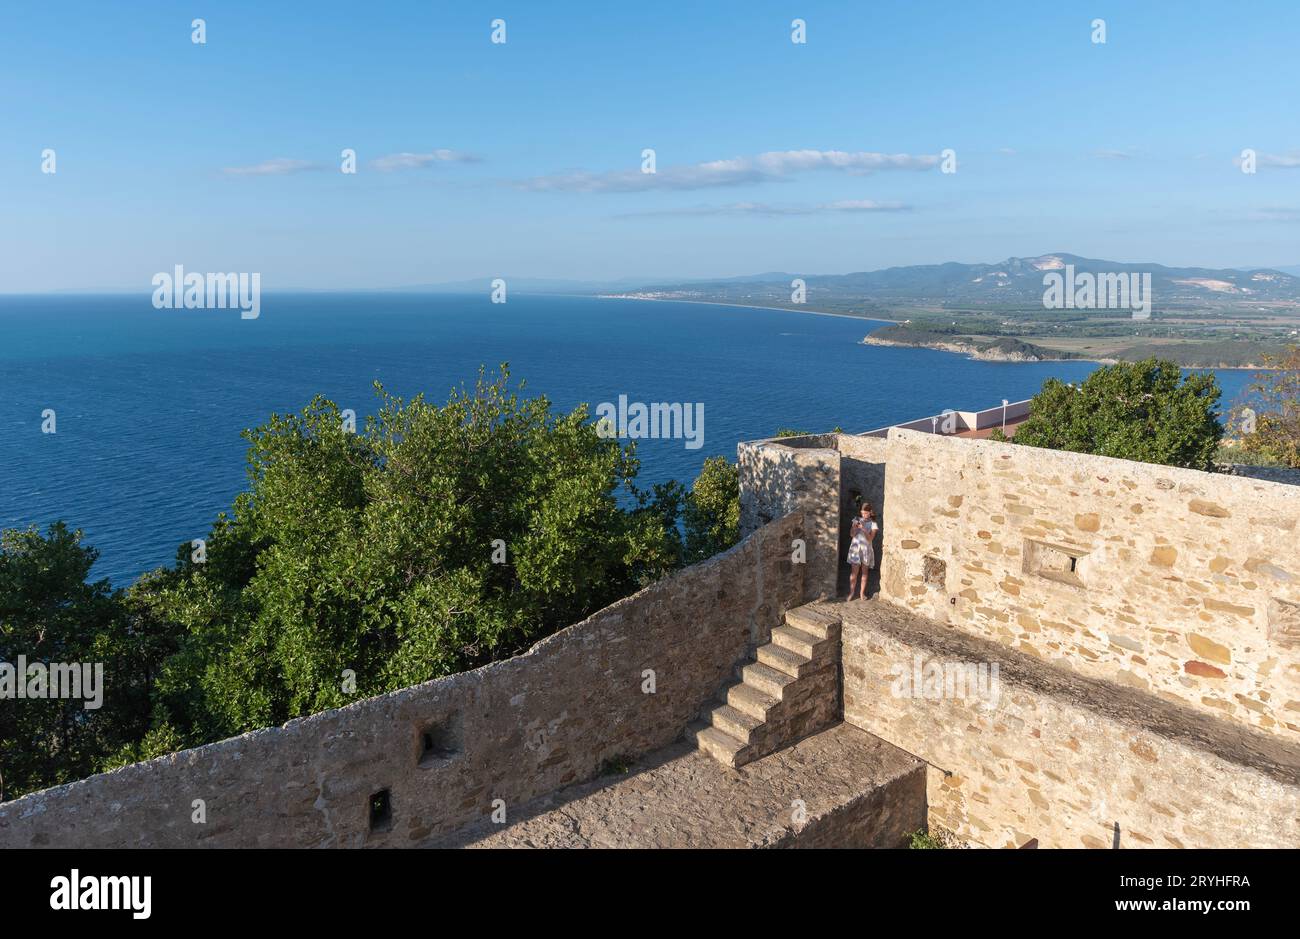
(150, 403)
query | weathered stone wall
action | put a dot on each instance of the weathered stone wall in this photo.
(512, 730)
(796, 474)
(1179, 583)
(884, 817)
(814, 473)
(1042, 752)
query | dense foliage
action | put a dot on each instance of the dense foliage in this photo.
(1145, 411)
(712, 511)
(1270, 425)
(435, 539)
(49, 613)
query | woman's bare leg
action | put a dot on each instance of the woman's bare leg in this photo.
(854, 576)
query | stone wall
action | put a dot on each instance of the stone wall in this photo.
(814, 473)
(884, 817)
(1175, 582)
(1043, 752)
(443, 751)
(796, 474)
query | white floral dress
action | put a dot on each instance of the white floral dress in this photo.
(860, 549)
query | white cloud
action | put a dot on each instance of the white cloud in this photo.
(1284, 160)
(865, 205)
(1112, 155)
(281, 166)
(763, 208)
(414, 161)
(765, 167)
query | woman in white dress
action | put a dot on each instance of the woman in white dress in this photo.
(862, 556)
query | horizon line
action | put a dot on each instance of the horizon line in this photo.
(451, 286)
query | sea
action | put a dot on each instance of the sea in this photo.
(148, 404)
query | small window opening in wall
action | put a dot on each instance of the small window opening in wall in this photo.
(1284, 622)
(1054, 562)
(381, 810)
(934, 572)
(439, 742)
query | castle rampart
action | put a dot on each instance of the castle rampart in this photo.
(443, 752)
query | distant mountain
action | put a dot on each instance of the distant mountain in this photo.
(516, 284)
(547, 285)
(1015, 280)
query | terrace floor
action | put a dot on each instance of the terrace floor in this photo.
(858, 791)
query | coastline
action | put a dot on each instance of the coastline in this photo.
(748, 306)
(977, 354)
(950, 348)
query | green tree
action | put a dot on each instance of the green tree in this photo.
(51, 613)
(711, 515)
(1270, 427)
(434, 540)
(1145, 411)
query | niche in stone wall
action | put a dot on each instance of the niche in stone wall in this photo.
(1283, 622)
(439, 741)
(934, 572)
(381, 811)
(1058, 563)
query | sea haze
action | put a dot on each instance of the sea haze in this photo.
(150, 403)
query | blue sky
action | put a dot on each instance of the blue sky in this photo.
(526, 155)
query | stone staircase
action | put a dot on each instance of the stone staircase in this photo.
(790, 691)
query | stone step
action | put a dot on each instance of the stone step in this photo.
(813, 621)
(753, 701)
(796, 640)
(766, 679)
(725, 749)
(783, 660)
(734, 722)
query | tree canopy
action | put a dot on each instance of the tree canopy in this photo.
(51, 614)
(1270, 424)
(434, 539)
(1145, 411)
